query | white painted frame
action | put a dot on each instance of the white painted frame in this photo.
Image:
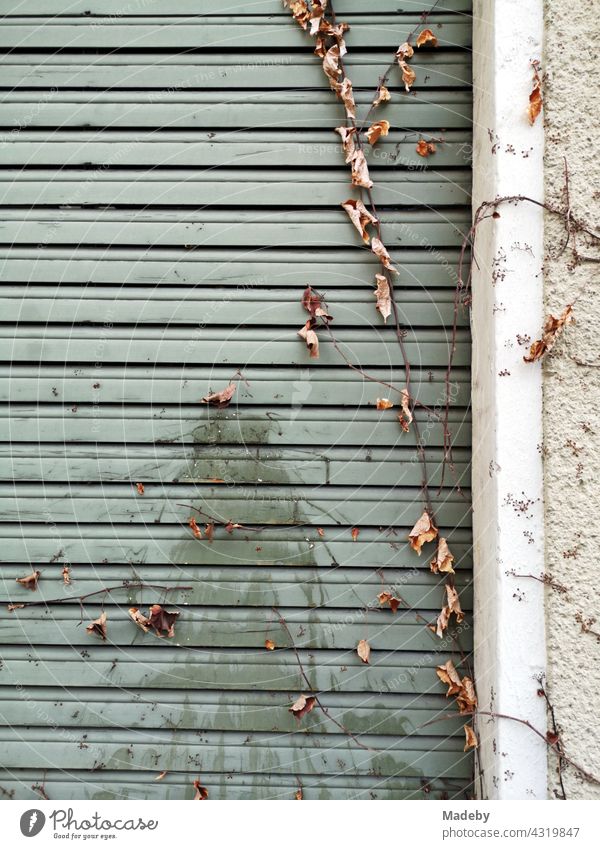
(510, 647)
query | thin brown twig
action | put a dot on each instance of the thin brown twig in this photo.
(126, 585)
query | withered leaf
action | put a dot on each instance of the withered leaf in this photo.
(310, 337)
(66, 575)
(423, 531)
(384, 597)
(387, 598)
(448, 675)
(140, 488)
(269, 645)
(363, 650)
(405, 51)
(302, 705)
(380, 251)
(161, 775)
(230, 527)
(355, 533)
(298, 794)
(383, 296)
(383, 95)
(194, 528)
(347, 135)
(98, 626)
(222, 398)
(470, 738)
(405, 417)
(426, 37)
(452, 607)
(408, 75)
(299, 10)
(443, 559)
(466, 698)
(163, 621)
(463, 689)
(11, 607)
(360, 216)
(321, 532)
(30, 582)
(384, 404)
(333, 31)
(535, 98)
(140, 620)
(360, 171)
(376, 130)
(553, 327)
(313, 304)
(209, 531)
(201, 792)
(331, 67)
(347, 96)
(425, 148)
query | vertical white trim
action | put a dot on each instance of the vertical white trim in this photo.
(507, 402)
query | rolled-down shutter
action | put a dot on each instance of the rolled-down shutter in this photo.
(170, 183)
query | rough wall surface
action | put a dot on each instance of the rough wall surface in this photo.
(572, 394)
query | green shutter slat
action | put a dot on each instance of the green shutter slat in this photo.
(207, 7)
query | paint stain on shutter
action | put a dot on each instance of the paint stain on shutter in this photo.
(170, 183)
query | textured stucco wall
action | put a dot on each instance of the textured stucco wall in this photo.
(572, 392)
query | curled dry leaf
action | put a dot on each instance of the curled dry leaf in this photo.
(222, 398)
(463, 688)
(161, 775)
(66, 575)
(384, 404)
(553, 327)
(423, 531)
(452, 607)
(313, 303)
(300, 11)
(363, 650)
(470, 738)
(426, 37)
(443, 559)
(163, 621)
(98, 626)
(30, 582)
(403, 53)
(11, 607)
(425, 148)
(355, 533)
(310, 337)
(360, 216)
(360, 171)
(209, 531)
(380, 251)
(347, 135)
(383, 95)
(535, 98)
(140, 488)
(376, 130)
(347, 97)
(331, 67)
(269, 645)
(321, 532)
(405, 417)
(302, 705)
(387, 598)
(195, 529)
(201, 792)
(298, 794)
(230, 527)
(383, 295)
(140, 620)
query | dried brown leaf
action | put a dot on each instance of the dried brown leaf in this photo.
(163, 621)
(470, 738)
(408, 75)
(384, 404)
(302, 705)
(310, 337)
(98, 626)
(383, 296)
(194, 528)
(347, 96)
(209, 531)
(360, 171)
(298, 794)
(405, 417)
(321, 532)
(201, 792)
(360, 216)
(331, 67)
(269, 645)
(553, 327)
(355, 533)
(30, 582)
(363, 650)
(425, 148)
(426, 37)
(140, 488)
(452, 607)
(376, 130)
(383, 95)
(380, 251)
(222, 398)
(535, 98)
(405, 51)
(11, 607)
(348, 134)
(66, 575)
(161, 775)
(443, 559)
(140, 620)
(423, 531)
(448, 675)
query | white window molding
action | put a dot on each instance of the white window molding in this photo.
(508, 515)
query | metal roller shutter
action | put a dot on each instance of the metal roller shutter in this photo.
(169, 185)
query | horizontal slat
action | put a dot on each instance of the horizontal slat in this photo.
(375, 506)
(186, 385)
(185, 425)
(207, 7)
(240, 587)
(225, 71)
(225, 33)
(313, 151)
(421, 111)
(215, 306)
(273, 547)
(168, 667)
(267, 267)
(381, 467)
(226, 188)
